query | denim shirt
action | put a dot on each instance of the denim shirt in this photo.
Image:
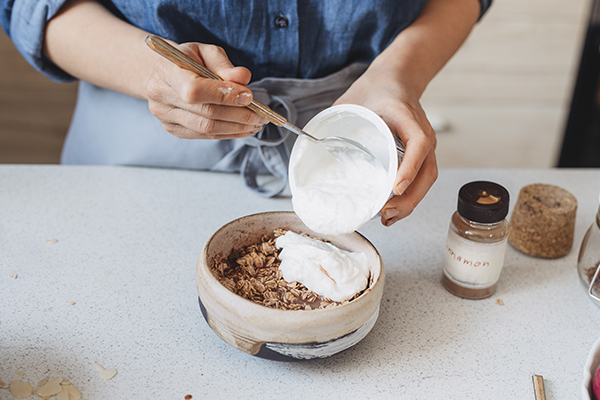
(272, 38)
(302, 54)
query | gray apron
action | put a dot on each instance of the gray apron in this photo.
(109, 128)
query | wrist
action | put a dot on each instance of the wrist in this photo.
(405, 83)
(403, 71)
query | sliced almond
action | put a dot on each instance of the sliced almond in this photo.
(51, 241)
(20, 389)
(106, 374)
(74, 393)
(63, 394)
(3, 385)
(51, 388)
(40, 384)
(71, 303)
(14, 276)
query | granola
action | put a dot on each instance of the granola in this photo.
(252, 272)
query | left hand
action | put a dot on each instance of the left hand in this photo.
(398, 105)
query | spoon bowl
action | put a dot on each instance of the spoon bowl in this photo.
(341, 148)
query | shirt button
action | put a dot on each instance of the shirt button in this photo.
(281, 22)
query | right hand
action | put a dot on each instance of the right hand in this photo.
(192, 107)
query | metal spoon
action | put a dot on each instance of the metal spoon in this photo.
(340, 148)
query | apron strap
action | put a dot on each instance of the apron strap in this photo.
(268, 148)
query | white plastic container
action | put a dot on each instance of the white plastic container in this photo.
(329, 197)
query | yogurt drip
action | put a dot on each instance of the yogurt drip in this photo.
(322, 267)
(339, 196)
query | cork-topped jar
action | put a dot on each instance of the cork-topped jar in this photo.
(589, 259)
(477, 238)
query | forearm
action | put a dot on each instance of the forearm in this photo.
(394, 83)
(420, 51)
(90, 43)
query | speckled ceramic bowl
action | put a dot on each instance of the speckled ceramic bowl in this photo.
(591, 364)
(284, 334)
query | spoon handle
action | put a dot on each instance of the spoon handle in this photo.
(180, 59)
(538, 387)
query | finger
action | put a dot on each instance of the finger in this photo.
(410, 124)
(399, 207)
(237, 115)
(419, 144)
(217, 61)
(192, 88)
(197, 126)
(212, 99)
(183, 132)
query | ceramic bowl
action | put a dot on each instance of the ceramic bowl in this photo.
(284, 335)
(591, 364)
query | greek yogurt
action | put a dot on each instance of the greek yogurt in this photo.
(341, 197)
(322, 267)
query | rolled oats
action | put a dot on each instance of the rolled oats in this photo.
(253, 273)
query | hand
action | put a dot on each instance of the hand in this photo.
(398, 105)
(192, 107)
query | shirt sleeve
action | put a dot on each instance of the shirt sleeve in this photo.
(485, 5)
(25, 21)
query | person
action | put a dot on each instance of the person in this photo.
(297, 57)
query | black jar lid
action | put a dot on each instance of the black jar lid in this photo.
(483, 202)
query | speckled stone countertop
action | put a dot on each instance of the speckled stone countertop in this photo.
(121, 243)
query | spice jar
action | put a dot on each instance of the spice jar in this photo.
(589, 258)
(477, 239)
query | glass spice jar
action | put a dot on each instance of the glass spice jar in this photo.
(477, 239)
(589, 258)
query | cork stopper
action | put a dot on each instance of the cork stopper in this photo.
(543, 221)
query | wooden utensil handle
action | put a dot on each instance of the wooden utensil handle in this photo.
(538, 387)
(266, 112)
(180, 59)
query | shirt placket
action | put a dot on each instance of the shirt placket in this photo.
(284, 41)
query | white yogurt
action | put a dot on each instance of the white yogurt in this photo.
(335, 197)
(341, 197)
(322, 267)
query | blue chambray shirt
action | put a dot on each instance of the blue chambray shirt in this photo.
(272, 38)
(303, 54)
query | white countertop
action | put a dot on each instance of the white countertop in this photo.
(128, 240)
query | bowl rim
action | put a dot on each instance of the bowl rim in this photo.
(223, 291)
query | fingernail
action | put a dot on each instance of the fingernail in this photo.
(401, 187)
(244, 98)
(264, 121)
(389, 213)
(391, 221)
